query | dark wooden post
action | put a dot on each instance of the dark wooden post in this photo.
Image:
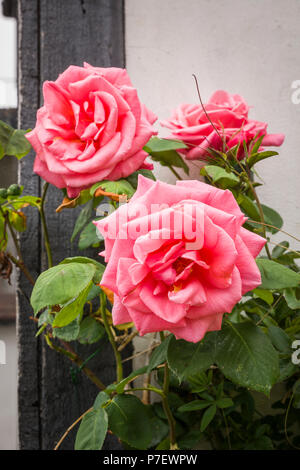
(51, 36)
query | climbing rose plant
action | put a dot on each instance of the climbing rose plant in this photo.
(193, 265)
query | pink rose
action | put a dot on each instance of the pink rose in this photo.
(181, 266)
(92, 127)
(229, 114)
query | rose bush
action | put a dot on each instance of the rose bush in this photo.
(178, 259)
(161, 281)
(229, 115)
(92, 127)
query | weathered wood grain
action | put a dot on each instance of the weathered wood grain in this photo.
(52, 35)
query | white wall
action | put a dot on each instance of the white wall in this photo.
(8, 69)
(250, 47)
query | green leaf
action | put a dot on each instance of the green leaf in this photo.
(83, 219)
(291, 299)
(60, 284)
(121, 385)
(221, 177)
(265, 295)
(13, 142)
(130, 421)
(159, 430)
(224, 402)
(194, 405)
(207, 417)
(133, 178)
(101, 399)
(120, 187)
(69, 332)
(159, 354)
(248, 207)
(246, 356)
(272, 218)
(170, 158)
(186, 358)
(91, 331)
(257, 144)
(71, 310)
(279, 338)
(83, 259)
(17, 220)
(276, 276)
(257, 157)
(93, 293)
(89, 236)
(155, 144)
(92, 430)
(279, 250)
(24, 201)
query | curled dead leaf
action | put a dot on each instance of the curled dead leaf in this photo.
(67, 203)
(115, 197)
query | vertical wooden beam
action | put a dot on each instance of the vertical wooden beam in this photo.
(53, 35)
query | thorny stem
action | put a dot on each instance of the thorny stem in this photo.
(150, 388)
(175, 173)
(277, 228)
(128, 340)
(21, 265)
(111, 338)
(166, 405)
(44, 225)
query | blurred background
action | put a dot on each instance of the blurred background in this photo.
(249, 47)
(8, 175)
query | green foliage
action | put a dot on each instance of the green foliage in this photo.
(246, 356)
(164, 152)
(209, 389)
(130, 420)
(13, 142)
(258, 156)
(93, 427)
(159, 354)
(186, 358)
(91, 331)
(133, 178)
(72, 309)
(90, 236)
(242, 351)
(224, 179)
(275, 276)
(120, 187)
(62, 283)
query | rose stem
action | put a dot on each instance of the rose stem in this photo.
(175, 173)
(111, 338)
(44, 225)
(165, 403)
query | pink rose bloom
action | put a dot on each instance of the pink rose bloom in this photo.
(229, 114)
(92, 127)
(161, 278)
